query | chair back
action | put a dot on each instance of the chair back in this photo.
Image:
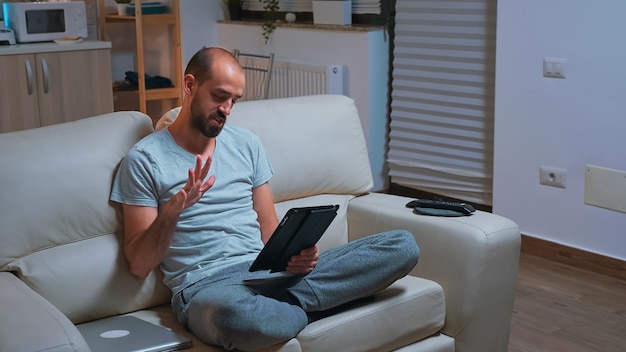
(258, 71)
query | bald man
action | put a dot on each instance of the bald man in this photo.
(197, 204)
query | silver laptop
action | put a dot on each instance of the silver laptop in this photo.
(130, 334)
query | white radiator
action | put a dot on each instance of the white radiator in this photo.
(292, 79)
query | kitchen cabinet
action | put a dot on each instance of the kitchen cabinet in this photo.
(19, 107)
(45, 87)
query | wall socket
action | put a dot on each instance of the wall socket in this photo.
(552, 176)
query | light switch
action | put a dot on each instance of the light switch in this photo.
(554, 67)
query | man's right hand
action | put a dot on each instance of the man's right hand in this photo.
(195, 188)
(148, 231)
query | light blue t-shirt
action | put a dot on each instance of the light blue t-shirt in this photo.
(222, 227)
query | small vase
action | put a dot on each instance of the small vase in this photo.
(121, 9)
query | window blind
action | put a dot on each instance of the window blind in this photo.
(441, 118)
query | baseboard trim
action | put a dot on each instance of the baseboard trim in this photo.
(574, 257)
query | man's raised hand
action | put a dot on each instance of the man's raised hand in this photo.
(196, 186)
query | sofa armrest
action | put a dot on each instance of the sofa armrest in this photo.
(26, 314)
(474, 258)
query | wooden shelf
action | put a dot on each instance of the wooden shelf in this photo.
(153, 94)
(141, 21)
(164, 19)
(163, 93)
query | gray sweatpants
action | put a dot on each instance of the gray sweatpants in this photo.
(222, 310)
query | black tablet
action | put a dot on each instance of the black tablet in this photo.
(300, 228)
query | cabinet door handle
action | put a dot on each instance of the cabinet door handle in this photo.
(29, 77)
(46, 76)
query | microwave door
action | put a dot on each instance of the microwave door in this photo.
(45, 21)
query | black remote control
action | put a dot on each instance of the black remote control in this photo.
(440, 204)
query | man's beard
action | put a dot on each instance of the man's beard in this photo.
(203, 123)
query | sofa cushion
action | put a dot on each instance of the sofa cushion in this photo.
(375, 326)
(89, 279)
(365, 327)
(323, 130)
(164, 317)
(57, 181)
(315, 143)
(35, 324)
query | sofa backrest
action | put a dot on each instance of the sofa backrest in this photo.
(62, 236)
(315, 143)
(303, 136)
(59, 232)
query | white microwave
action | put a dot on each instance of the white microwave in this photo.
(45, 21)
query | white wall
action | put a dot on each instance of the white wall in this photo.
(199, 25)
(364, 54)
(566, 123)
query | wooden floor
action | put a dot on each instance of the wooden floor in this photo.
(561, 308)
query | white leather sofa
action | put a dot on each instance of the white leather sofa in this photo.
(61, 263)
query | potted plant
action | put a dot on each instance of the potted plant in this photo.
(235, 7)
(121, 6)
(270, 16)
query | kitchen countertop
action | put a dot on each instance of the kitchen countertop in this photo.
(48, 47)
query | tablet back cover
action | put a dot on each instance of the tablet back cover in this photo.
(300, 228)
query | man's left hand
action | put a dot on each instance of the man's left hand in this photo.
(304, 262)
